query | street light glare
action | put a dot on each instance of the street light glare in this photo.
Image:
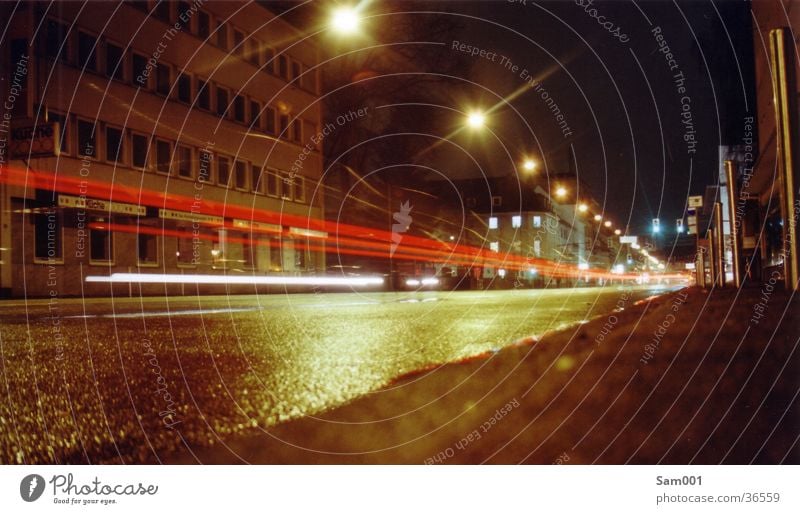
(529, 164)
(583, 207)
(476, 119)
(607, 224)
(345, 20)
(561, 191)
(597, 217)
(617, 232)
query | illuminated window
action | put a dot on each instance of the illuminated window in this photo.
(537, 221)
(516, 221)
(495, 246)
(493, 222)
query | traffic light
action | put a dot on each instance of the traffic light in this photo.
(656, 225)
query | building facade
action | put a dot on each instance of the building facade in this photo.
(156, 137)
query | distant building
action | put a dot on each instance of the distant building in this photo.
(187, 145)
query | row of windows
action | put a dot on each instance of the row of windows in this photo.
(516, 222)
(168, 81)
(48, 246)
(118, 146)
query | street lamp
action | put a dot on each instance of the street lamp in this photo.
(583, 207)
(476, 119)
(617, 232)
(561, 192)
(345, 20)
(607, 224)
(529, 165)
(598, 218)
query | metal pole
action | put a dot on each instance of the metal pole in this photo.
(782, 61)
(732, 202)
(700, 267)
(719, 250)
(711, 260)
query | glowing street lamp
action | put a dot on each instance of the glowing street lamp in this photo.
(617, 232)
(598, 218)
(345, 20)
(607, 224)
(476, 119)
(561, 191)
(529, 165)
(583, 207)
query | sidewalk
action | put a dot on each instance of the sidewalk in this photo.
(689, 377)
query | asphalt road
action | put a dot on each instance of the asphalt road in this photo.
(132, 380)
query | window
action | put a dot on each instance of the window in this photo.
(296, 70)
(56, 43)
(537, 221)
(140, 146)
(238, 42)
(184, 88)
(63, 135)
(239, 108)
(537, 247)
(249, 251)
(269, 115)
(299, 189)
(254, 52)
(255, 114)
(516, 221)
(203, 95)
(297, 130)
(310, 131)
(184, 163)
(49, 237)
(222, 101)
(269, 60)
(86, 138)
(86, 51)
(187, 253)
(497, 201)
(101, 242)
(114, 147)
(115, 62)
(161, 11)
(204, 171)
(273, 179)
(184, 13)
(163, 156)
(275, 254)
(308, 79)
(286, 187)
(222, 35)
(241, 175)
(284, 125)
(147, 249)
(162, 79)
(223, 171)
(138, 70)
(283, 67)
(255, 179)
(493, 222)
(495, 246)
(203, 25)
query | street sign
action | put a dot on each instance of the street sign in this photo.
(695, 201)
(630, 240)
(34, 141)
(92, 204)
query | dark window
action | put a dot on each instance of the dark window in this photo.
(222, 101)
(283, 67)
(139, 149)
(241, 175)
(138, 69)
(223, 171)
(48, 236)
(204, 171)
(255, 114)
(184, 88)
(62, 122)
(238, 42)
(255, 178)
(269, 114)
(162, 79)
(186, 251)
(203, 25)
(55, 40)
(286, 186)
(297, 130)
(203, 95)
(272, 183)
(114, 147)
(115, 63)
(161, 11)
(222, 35)
(310, 130)
(147, 249)
(283, 128)
(238, 108)
(269, 60)
(86, 138)
(184, 161)
(101, 241)
(299, 189)
(86, 51)
(163, 156)
(254, 52)
(296, 70)
(184, 12)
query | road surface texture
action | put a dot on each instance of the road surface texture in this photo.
(153, 380)
(690, 377)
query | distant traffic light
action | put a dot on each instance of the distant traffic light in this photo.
(656, 225)
(679, 225)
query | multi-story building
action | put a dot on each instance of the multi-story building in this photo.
(167, 137)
